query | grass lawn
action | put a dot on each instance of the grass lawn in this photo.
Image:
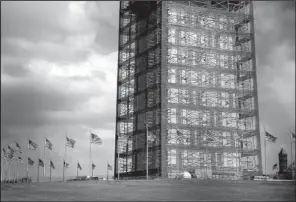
(151, 190)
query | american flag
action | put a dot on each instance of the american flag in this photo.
(30, 161)
(79, 166)
(48, 144)
(20, 159)
(32, 145)
(66, 165)
(10, 153)
(274, 166)
(269, 137)
(18, 148)
(293, 137)
(93, 166)
(95, 139)
(109, 167)
(40, 163)
(4, 154)
(70, 142)
(52, 165)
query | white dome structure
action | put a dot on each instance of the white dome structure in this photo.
(186, 175)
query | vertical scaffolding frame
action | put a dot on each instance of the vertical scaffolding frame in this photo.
(188, 69)
(139, 89)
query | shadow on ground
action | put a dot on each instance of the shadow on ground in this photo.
(151, 190)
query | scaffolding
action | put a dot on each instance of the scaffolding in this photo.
(188, 71)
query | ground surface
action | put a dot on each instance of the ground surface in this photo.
(151, 190)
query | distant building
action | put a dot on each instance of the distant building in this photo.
(285, 171)
(283, 160)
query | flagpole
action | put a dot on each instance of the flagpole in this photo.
(27, 171)
(107, 170)
(2, 168)
(5, 174)
(90, 161)
(37, 169)
(265, 152)
(16, 169)
(5, 171)
(65, 156)
(92, 170)
(8, 170)
(50, 169)
(292, 154)
(5, 167)
(77, 170)
(44, 158)
(277, 173)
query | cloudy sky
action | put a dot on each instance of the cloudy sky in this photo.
(59, 67)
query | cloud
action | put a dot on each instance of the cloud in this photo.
(35, 21)
(24, 50)
(106, 17)
(14, 68)
(61, 31)
(39, 97)
(271, 30)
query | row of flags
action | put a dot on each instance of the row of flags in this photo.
(15, 154)
(10, 153)
(95, 139)
(40, 163)
(66, 165)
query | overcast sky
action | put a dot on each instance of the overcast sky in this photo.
(59, 71)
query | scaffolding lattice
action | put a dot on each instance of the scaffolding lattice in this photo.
(187, 69)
